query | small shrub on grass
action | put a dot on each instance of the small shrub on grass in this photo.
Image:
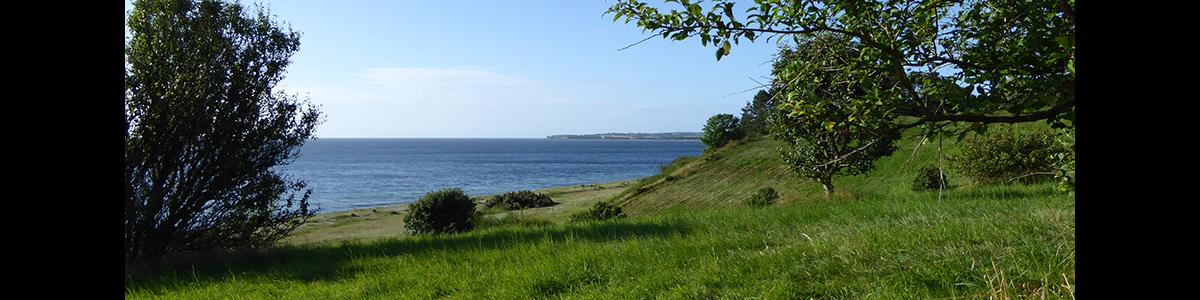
(929, 178)
(763, 197)
(513, 220)
(1002, 156)
(443, 211)
(519, 200)
(600, 211)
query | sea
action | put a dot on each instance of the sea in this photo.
(346, 174)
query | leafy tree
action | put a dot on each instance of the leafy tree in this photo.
(756, 113)
(205, 131)
(720, 130)
(839, 137)
(933, 62)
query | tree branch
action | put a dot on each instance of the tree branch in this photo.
(1040, 115)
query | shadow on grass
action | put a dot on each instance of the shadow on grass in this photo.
(329, 262)
(1002, 192)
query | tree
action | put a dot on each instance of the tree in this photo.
(205, 129)
(721, 129)
(1015, 59)
(756, 113)
(839, 138)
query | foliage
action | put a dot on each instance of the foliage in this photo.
(756, 114)
(975, 61)
(205, 129)
(599, 211)
(720, 130)
(762, 197)
(443, 211)
(1001, 156)
(512, 220)
(822, 117)
(929, 178)
(519, 200)
(1065, 160)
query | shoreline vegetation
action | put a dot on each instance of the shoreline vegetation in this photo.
(381, 222)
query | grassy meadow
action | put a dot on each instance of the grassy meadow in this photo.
(687, 237)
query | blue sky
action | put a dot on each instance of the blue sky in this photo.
(512, 69)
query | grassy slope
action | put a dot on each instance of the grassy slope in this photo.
(725, 177)
(688, 238)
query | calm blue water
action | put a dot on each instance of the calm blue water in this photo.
(355, 173)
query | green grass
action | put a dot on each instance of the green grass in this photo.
(728, 176)
(1015, 240)
(688, 237)
(388, 222)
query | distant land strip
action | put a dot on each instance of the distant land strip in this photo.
(630, 136)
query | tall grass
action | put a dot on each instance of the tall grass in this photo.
(1009, 241)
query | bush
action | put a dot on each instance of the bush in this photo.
(600, 211)
(513, 220)
(519, 200)
(929, 178)
(444, 211)
(1006, 155)
(762, 198)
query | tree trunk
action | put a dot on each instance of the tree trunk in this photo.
(828, 185)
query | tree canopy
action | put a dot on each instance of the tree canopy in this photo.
(720, 130)
(757, 113)
(825, 128)
(205, 129)
(931, 62)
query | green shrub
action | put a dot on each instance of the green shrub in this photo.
(929, 178)
(443, 211)
(513, 220)
(1002, 156)
(519, 200)
(763, 197)
(600, 211)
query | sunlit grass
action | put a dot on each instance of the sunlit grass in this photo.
(1012, 240)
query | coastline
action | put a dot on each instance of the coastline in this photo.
(388, 221)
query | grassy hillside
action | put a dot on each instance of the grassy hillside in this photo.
(875, 248)
(726, 176)
(688, 237)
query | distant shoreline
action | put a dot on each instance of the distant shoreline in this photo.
(401, 206)
(629, 136)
